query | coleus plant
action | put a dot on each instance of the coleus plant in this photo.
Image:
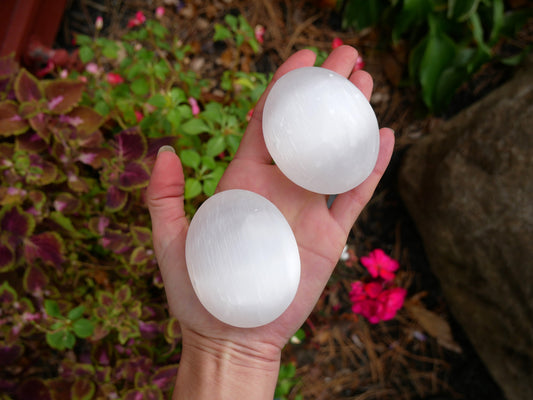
(74, 238)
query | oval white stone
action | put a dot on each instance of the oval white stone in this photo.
(242, 258)
(320, 130)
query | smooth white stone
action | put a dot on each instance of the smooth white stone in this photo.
(242, 258)
(320, 130)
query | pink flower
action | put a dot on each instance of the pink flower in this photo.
(92, 68)
(336, 42)
(374, 302)
(249, 115)
(139, 19)
(379, 264)
(159, 12)
(138, 116)
(359, 63)
(194, 106)
(114, 79)
(259, 32)
(99, 23)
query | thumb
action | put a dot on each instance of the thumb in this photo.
(164, 197)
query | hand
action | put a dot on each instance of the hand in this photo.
(320, 232)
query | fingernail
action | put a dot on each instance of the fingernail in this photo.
(166, 148)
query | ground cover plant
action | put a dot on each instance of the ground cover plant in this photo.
(82, 307)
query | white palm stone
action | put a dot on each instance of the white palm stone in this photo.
(242, 258)
(320, 130)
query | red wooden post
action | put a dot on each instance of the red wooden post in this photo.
(22, 20)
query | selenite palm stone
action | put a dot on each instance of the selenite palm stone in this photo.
(320, 130)
(242, 258)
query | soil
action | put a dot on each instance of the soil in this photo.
(326, 361)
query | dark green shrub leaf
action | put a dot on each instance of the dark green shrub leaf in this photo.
(82, 389)
(438, 55)
(135, 175)
(47, 246)
(52, 308)
(10, 122)
(27, 87)
(34, 280)
(194, 127)
(63, 95)
(190, 158)
(462, 10)
(76, 313)
(192, 188)
(83, 328)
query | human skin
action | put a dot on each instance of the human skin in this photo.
(219, 361)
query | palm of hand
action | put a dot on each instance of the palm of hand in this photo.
(320, 232)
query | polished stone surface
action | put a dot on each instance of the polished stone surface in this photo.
(320, 130)
(242, 258)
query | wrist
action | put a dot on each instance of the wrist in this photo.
(222, 369)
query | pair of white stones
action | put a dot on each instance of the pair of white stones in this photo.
(242, 256)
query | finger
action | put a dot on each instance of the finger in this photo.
(341, 60)
(253, 144)
(347, 206)
(363, 80)
(164, 197)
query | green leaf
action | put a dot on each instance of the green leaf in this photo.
(210, 186)
(461, 10)
(439, 54)
(61, 340)
(192, 188)
(194, 127)
(232, 21)
(221, 33)
(215, 146)
(83, 328)
(86, 54)
(190, 158)
(140, 87)
(157, 100)
(52, 308)
(76, 313)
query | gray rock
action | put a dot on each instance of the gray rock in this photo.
(469, 188)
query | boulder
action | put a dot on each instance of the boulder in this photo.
(468, 186)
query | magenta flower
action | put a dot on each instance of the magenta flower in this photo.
(259, 33)
(159, 12)
(359, 63)
(139, 19)
(138, 116)
(379, 264)
(374, 302)
(99, 23)
(114, 79)
(336, 42)
(194, 106)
